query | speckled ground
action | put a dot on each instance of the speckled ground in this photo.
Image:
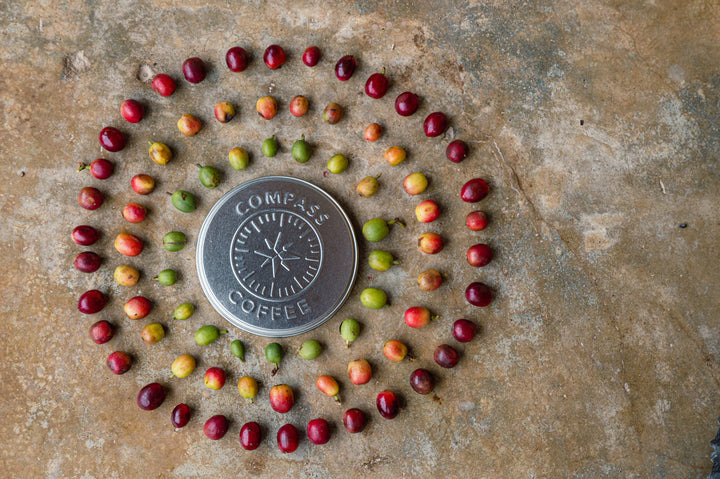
(596, 124)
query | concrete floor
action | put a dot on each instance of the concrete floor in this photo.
(596, 125)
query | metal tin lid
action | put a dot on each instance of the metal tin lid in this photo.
(276, 256)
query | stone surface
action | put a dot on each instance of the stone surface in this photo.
(596, 124)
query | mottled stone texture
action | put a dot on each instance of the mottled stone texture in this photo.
(596, 124)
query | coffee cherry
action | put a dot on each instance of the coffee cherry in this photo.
(216, 427)
(163, 85)
(359, 372)
(345, 67)
(476, 221)
(180, 415)
(119, 362)
(422, 381)
(112, 139)
(126, 275)
(250, 436)
(132, 111)
(435, 124)
(92, 302)
(464, 330)
(406, 103)
(288, 438)
(318, 431)
(90, 198)
(474, 190)
(237, 59)
(151, 396)
(456, 151)
(194, 70)
(446, 356)
(311, 56)
(101, 332)
(388, 404)
(479, 255)
(85, 235)
(87, 262)
(274, 57)
(349, 331)
(478, 294)
(354, 421)
(281, 398)
(377, 85)
(100, 168)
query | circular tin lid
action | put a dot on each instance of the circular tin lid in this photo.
(276, 256)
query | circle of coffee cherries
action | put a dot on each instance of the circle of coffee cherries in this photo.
(281, 396)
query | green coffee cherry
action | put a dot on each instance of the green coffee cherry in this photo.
(274, 354)
(310, 349)
(237, 349)
(349, 331)
(337, 164)
(174, 241)
(183, 201)
(377, 228)
(380, 260)
(184, 311)
(301, 150)
(270, 147)
(373, 298)
(209, 176)
(238, 158)
(166, 277)
(208, 334)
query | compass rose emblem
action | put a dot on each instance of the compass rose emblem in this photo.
(276, 254)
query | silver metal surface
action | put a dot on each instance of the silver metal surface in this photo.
(276, 256)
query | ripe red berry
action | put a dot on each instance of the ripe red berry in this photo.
(474, 190)
(85, 235)
(406, 103)
(180, 415)
(87, 262)
(311, 57)
(92, 302)
(288, 438)
(345, 67)
(194, 70)
(119, 362)
(101, 332)
(464, 330)
(478, 294)
(99, 168)
(237, 59)
(354, 420)
(446, 356)
(111, 139)
(318, 431)
(456, 151)
(274, 57)
(216, 427)
(132, 111)
(151, 396)
(377, 85)
(435, 124)
(388, 404)
(90, 198)
(479, 255)
(250, 436)
(422, 381)
(163, 85)
(476, 220)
